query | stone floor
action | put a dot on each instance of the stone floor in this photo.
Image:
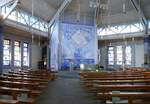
(65, 90)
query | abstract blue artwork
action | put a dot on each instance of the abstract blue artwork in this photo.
(54, 46)
(78, 45)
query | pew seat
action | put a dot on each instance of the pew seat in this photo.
(3, 101)
(108, 88)
(14, 92)
(130, 96)
(23, 87)
(27, 101)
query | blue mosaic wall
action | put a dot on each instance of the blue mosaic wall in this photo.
(55, 46)
(78, 45)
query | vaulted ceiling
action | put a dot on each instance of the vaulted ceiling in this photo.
(47, 8)
(42, 8)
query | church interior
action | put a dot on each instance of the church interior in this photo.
(74, 51)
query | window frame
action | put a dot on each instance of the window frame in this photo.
(119, 56)
(128, 55)
(28, 54)
(10, 52)
(19, 53)
(113, 52)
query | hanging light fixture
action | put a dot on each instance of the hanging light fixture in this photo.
(124, 8)
(78, 11)
(39, 41)
(107, 8)
(124, 36)
(103, 10)
(31, 26)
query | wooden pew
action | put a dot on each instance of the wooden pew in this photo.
(15, 92)
(134, 91)
(13, 84)
(105, 83)
(42, 84)
(38, 73)
(106, 74)
(106, 88)
(49, 76)
(24, 82)
(28, 85)
(131, 96)
(108, 82)
(2, 101)
(23, 79)
(43, 81)
(27, 76)
(121, 80)
(28, 101)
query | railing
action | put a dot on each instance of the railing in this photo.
(22, 17)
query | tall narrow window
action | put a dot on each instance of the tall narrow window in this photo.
(17, 54)
(25, 54)
(111, 55)
(128, 57)
(119, 55)
(6, 52)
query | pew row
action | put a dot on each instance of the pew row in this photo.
(134, 86)
(27, 85)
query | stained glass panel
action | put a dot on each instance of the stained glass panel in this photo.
(111, 55)
(25, 54)
(6, 52)
(128, 57)
(17, 54)
(119, 55)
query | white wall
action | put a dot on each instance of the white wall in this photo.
(103, 56)
(137, 51)
(35, 49)
(139, 54)
(35, 55)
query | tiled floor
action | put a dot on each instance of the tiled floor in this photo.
(66, 91)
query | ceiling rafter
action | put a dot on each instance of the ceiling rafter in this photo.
(141, 13)
(60, 9)
(5, 2)
(12, 7)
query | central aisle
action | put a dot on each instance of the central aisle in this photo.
(65, 90)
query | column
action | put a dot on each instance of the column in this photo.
(146, 51)
(1, 48)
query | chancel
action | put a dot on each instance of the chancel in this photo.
(74, 52)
